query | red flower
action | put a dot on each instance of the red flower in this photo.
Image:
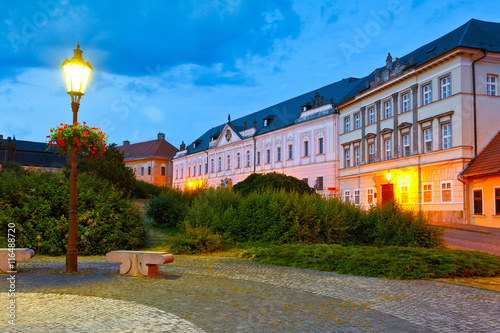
(48, 136)
(74, 150)
(51, 130)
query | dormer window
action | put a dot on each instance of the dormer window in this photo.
(306, 107)
(196, 143)
(265, 122)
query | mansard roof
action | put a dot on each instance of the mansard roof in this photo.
(147, 149)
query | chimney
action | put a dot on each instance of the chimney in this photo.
(1, 136)
(161, 136)
(126, 143)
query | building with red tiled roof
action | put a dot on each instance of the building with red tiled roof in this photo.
(482, 181)
(151, 161)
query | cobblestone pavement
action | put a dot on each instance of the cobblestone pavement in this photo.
(215, 294)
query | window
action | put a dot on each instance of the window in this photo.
(371, 153)
(357, 122)
(189, 172)
(268, 156)
(497, 200)
(427, 140)
(149, 170)
(405, 189)
(446, 133)
(278, 154)
(406, 102)
(258, 158)
(306, 148)
(347, 155)
(427, 193)
(248, 158)
(387, 109)
(347, 124)
(478, 202)
(319, 183)
(142, 171)
(212, 165)
(387, 145)
(199, 170)
(491, 84)
(182, 173)
(206, 168)
(194, 171)
(228, 162)
(290, 152)
(347, 195)
(265, 122)
(427, 94)
(135, 171)
(446, 191)
(406, 144)
(445, 87)
(176, 174)
(369, 196)
(163, 171)
(371, 116)
(356, 157)
(356, 197)
(320, 146)
(238, 160)
(220, 164)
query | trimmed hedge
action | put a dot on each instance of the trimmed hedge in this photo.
(37, 202)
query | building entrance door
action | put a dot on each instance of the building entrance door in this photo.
(387, 193)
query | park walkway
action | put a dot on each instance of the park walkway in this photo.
(215, 294)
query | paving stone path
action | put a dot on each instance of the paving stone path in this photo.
(213, 294)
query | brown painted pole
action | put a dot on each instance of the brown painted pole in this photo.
(71, 254)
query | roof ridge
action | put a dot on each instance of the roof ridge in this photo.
(465, 31)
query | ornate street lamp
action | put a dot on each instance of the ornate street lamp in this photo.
(76, 74)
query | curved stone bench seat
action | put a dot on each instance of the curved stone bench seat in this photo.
(139, 263)
(10, 256)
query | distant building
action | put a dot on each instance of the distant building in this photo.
(151, 161)
(482, 179)
(30, 154)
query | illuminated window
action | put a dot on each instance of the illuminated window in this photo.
(357, 121)
(427, 94)
(371, 116)
(497, 200)
(356, 197)
(320, 146)
(347, 155)
(356, 157)
(478, 202)
(405, 189)
(388, 149)
(347, 124)
(491, 84)
(387, 109)
(427, 140)
(406, 144)
(406, 102)
(427, 193)
(278, 154)
(446, 191)
(446, 135)
(445, 87)
(290, 152)
(369, 196)
(347, 195)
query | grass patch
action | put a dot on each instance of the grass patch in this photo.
(391, 262)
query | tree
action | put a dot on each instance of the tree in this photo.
(278, 181)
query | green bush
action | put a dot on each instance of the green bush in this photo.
(37, 202)
(169, 208)
(144, 190)
(197, 239)
(388, 262)
(276, 181)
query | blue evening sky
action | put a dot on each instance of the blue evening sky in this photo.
(181, 66)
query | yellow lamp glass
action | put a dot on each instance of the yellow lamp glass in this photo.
(388, 177)
(76, 73)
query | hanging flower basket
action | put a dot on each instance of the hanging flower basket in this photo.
(87, 142)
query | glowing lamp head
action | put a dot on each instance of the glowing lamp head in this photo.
(76, 73)
(388, 176)
(190, 184)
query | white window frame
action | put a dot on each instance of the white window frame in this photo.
(248, 158)
(427, 94)
(405, 140)
(427, 140)
(446, 137)
(441, 190)
(370, 192)
(387, 109)
(357, 197)
(491, 84)
(347, 157)
(229, 162)
(357, 121)
(445, 84)
(431, 190)
(238, 161)
(371, 115)
(347, 195)
(474, 201)
(347, 124)
(356, 156)
(388, 149)
(407, 193)
(405, 98)
(371, 147)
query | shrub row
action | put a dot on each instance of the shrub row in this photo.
(37, 202)
(388, 262)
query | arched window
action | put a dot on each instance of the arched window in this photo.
(220, 163)
(248, 158)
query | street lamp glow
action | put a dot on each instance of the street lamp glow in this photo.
(388, 176)
(76, 73)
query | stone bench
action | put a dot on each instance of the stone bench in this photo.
(10, 256)
(139, 263)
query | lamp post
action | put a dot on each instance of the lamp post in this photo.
(76, 75)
